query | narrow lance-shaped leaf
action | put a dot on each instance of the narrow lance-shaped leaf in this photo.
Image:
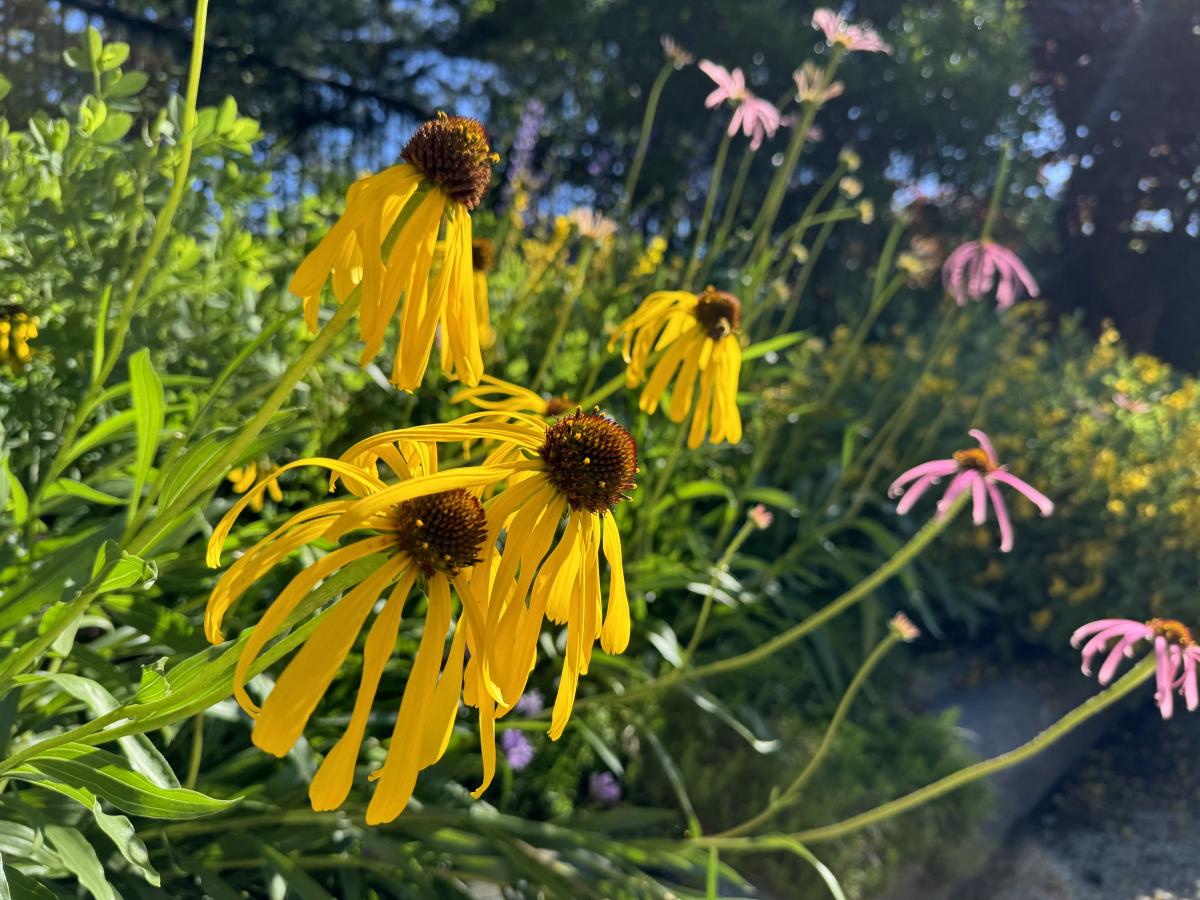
(148, 407)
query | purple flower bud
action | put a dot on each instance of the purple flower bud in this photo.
(603, 788)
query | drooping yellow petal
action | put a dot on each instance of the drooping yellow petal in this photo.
(614, 636)
(439, 715)
(703, 413)
(398, 776)
(297, 589)
(304, 681)
(346, 471)
(661, 376)
(331, 784)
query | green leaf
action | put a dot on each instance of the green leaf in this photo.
(17, 497)
(127, 85)
(148, 403)
(25, 888)
(773, 345)
(92, 113)
(5, 891)
(113, 55)
(67, 487)
(5, 87)
(116, 126)
(142, 755)
(80, 858)
(119, 828)
(98, 337)
(92, 45)
(827, 876)
(771, 497)
(128, 571)
(190, 467)
(104, 431)
(106, 775)
(226, 115)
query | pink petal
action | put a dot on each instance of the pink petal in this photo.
(1164, 675)
(935, 467)
(985, 443)
(1191, 694)
(978, 501)
(1099, 641)
(1002, 519)
(962, 482)
(1119, 651)
(913, 494)
(827, 21)
(1044, 504)
(1101, 625)
(1012, 264)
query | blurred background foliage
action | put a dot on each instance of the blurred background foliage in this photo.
(322, 89)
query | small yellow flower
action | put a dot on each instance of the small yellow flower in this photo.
(851, 160)
(698, 337)
(244, 478)
(17, 329)
(850, 187)
(652, 258)
(866, 211)
(446, 169)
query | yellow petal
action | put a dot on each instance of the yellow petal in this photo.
(297, 589)
(331, 785)
(614, 637)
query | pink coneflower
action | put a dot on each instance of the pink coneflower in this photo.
(1127, 403)
(674, 52)
(841, 33)
(972, 269)
(1176, 655)
(811, 86)
(757, 118)
(976, 470)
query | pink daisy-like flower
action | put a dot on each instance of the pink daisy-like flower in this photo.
(757, 118)
(976, 470)
(972, 269)
(841, 33)
(1176, 655)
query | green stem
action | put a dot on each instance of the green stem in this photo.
(564, 313)
(234, 452)
(193, 772)
(997, 192)
(810, 265)
(732, 204)
(639, 156)
(1072, 720)
(75, 734)
(779, 183)
(792, 791)
(895, 564)
(710, 202)
(878, 303)
(706, 607)
(662, 479)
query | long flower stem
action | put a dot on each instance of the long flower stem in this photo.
(252, 429)
(997, 193)
(732, 204)
(878, 303)
(706, 607)
(162, 228)
(789, 794)
(564, 313)
(710, 202)
(1072, 720)
(639, 156)
(779, 183)
(1093, 706)
(894, 565)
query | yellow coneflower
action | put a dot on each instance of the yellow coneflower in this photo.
(244, 478)
(446, 169)
(17, 329)
(580, 467)
(433, 539)
(698, 336)
(497, 395)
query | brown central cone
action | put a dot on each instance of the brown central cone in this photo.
(441, 532)
(974, 458)
(453, 152)
(590, 460)
(1173, 630)
(719, 313)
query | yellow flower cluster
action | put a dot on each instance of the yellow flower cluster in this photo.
(17, 329)
(499, 547)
